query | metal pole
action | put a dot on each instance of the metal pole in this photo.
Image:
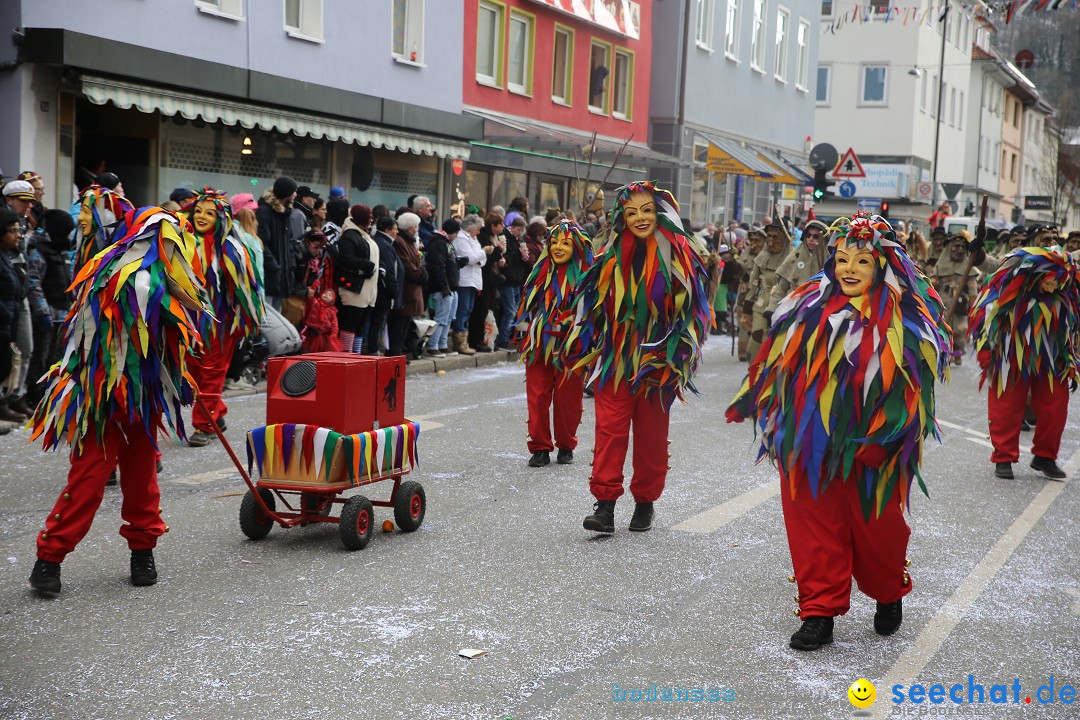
(940, 108)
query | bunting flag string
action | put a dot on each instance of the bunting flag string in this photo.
(306, 453)
(917, 13)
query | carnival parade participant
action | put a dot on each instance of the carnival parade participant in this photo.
(763, 276)
(842, 392)
(642, 316)
(545, 314)
(801, 264)
(954, 287)
(99, 209)
(1025, 324)
(124, 376)
(236, 305)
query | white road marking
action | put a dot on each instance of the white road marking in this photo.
(934, 633)
(426, 423)
(1026, 449)
(715, 517)
(961, 428)
(207, 477)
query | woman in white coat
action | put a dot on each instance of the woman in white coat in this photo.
(471, 281)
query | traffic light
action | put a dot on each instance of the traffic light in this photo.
(885, 209)
(822, 185)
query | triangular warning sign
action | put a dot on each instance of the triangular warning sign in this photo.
(849, 165)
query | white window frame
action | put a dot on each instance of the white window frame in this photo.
(413, 35)
(311, 20)
(227, 9)
(802, 59)
(497, 44)
(863, 102)
(614, 89)
(529, 23)
(828, 85)
(757, 37)
(780, 53)
(960, 110)
(952, 107)
(606, 95)
(732, 13)
(568, 67)
(706, 12)
(935, 89)
(924, 81)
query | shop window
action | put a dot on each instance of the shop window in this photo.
(599, 69)
(520, 43)
(551, 195)
(304, 19)
(408, 19)
(489, 38)
(507, 185)
(561, 75)
(623, 84)
(477, 187)
(232, 9)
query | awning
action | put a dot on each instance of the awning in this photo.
(518, 132)
(728, 156)
(150, 99)
(786, 173)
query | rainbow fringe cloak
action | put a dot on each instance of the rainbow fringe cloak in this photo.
(837, 374)
(128, 334)
(104, 207)
(232, 280)
(365, 455)
(643, 326)
(1029, 332)
(546, 305)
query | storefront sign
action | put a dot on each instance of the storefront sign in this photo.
(621, 16)
(881, 181)
(1038, 202)
(457, 165)
(718, 161)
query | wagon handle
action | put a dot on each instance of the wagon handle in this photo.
(232, 455)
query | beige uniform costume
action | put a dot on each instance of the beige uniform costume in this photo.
(948, 276)
(762, 279)
(746, 260)
(800, 265)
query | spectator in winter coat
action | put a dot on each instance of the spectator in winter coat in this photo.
(519, 208)
(49, 279)
(444, 272)
(356, 270)
(514, 274)
(535, 240)
(10, 302)
(337, 211)
(471, 282)
(423, 208)
(390, 272)
(414, 276)
(280, 249)
(494, 244)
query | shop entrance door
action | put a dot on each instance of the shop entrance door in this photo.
(124, 142)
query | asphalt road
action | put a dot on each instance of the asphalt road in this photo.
(295, 626)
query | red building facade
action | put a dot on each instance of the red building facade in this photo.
(544, 75)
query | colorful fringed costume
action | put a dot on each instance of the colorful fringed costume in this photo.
(842, 391)
(1027, 340)
(99, 209)
(232, 288)
(643, 313)
(124, 375)
(547, 313)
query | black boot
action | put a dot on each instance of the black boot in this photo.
(603, 518)
(565, 456)
(1048, 467)
(1003, 471)
(143, 570)
(199, 439)
(642, 519)
(45, 578)
(111, 481)
(888, 617)
(815, 632)
(540, 458)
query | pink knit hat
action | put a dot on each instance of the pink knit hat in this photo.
(243, 201)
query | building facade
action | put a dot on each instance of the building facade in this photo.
(233, 93)
(726, 65)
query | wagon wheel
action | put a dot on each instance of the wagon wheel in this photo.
(357, 522)
(410, 505)
(254, 522)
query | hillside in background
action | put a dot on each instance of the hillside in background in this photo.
(1054, 38)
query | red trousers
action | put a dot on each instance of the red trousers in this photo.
(616, 412)
(1006, 412)
(830, 542)
(545, 387)
(124, 444)
(209, 371)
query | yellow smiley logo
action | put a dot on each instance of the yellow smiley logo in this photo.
(862, 693)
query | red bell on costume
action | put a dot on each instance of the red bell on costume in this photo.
(345, 392)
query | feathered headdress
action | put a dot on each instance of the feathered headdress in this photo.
(104, 208)
(232, 280)
(128, 334)
(546, 304)
(843, 387)
(643, 310)
(1029, 332)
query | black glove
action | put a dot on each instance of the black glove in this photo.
(757, 335)
(768, 318)
(748, 307)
